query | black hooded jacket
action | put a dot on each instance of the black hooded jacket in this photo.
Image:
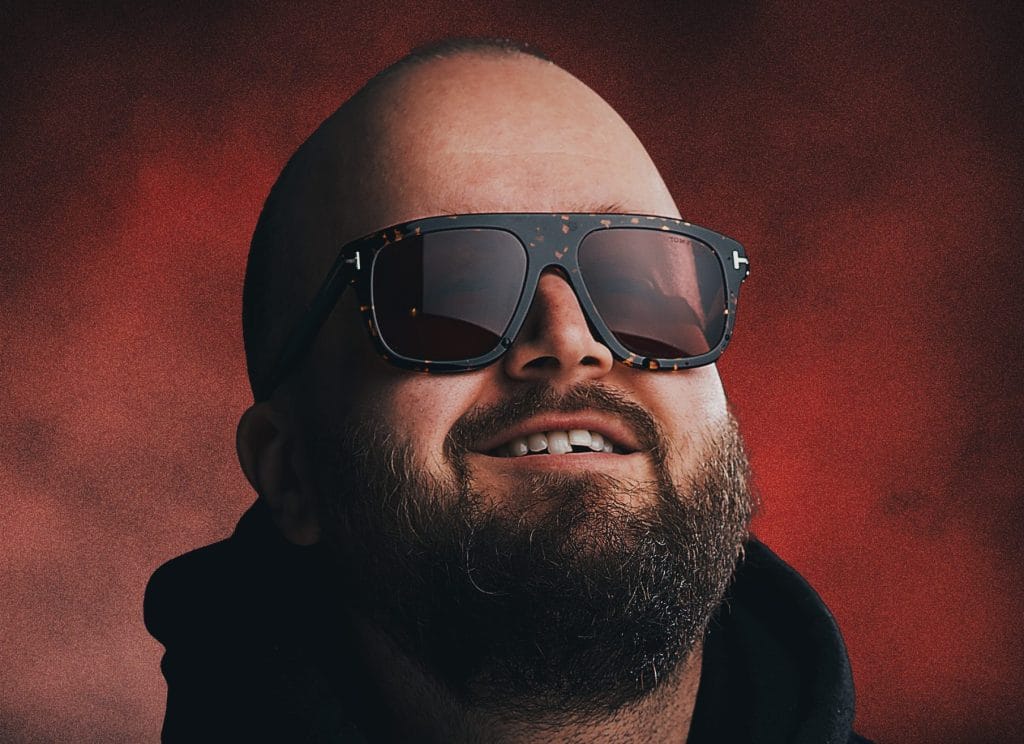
(255, 652)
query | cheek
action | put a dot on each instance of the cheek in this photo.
(347, 378)
(686, 405)
(422, 408)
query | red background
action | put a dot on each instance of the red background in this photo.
(870, 160)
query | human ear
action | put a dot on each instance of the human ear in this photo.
(267, 451)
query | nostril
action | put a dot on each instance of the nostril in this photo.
(552, 363)
(542, 362)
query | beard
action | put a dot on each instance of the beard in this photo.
(576, 595)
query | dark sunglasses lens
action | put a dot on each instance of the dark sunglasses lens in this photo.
(661, 294)
(447, 295)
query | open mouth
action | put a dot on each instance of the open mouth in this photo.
(573, 441)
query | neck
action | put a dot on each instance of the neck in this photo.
(422, 709)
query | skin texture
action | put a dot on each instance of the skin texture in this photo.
(479, 133)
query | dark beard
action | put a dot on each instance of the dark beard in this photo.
(563, 602)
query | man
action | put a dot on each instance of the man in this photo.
(501, 495)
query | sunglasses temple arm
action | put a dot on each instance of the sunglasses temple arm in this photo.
(309, 325)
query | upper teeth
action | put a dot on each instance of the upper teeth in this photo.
(554, 443)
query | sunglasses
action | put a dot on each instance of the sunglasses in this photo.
(450, 293)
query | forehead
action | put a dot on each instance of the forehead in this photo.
(497, 134)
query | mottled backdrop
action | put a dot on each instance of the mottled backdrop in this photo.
(870, 159)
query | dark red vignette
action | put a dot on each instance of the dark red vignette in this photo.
(869, 160)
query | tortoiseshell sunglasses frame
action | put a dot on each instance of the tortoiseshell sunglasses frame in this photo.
(548, 239)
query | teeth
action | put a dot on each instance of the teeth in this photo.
(554, 443)
(580, 437)
(558, 443)
(537, 442)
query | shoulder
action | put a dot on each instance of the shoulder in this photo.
(236, 665)
(205, 592)
(183, 593)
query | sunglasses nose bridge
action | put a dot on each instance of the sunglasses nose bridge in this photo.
(557, 336)
(558, 261)
(553, 248)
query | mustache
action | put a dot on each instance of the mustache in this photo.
(481, 421)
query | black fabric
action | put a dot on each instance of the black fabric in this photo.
(256, 651)
(775, 667)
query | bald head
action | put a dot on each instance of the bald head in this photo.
(472, 131)
(398, 473)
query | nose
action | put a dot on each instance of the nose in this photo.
(555, 342)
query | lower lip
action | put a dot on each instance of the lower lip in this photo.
(577, 461)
